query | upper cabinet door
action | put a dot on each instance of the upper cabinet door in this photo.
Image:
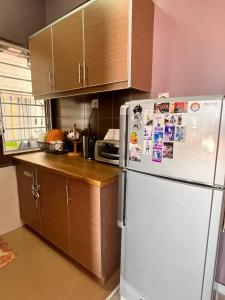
(106, 42)
(68, 52)
(41, 63)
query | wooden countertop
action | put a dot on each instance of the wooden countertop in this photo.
(93, 172)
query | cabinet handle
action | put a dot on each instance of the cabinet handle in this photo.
(85, 74)
(80, 73)
(50, 80)
(67, 195)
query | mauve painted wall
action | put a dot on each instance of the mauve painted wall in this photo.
(21, 18)
(189, 47)
(57, 8)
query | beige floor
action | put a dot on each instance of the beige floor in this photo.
(40, 272)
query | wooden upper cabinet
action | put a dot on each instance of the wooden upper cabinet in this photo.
(41, 63)
(106, 41)
(103, 45)
(68, 52)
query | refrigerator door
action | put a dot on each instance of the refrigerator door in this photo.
(170, 239)
(176, 138)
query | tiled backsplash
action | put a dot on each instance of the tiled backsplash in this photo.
(77, 110)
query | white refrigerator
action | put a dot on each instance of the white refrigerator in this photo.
(171, 194)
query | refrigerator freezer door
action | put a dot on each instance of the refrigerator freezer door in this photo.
(170, 239)
(176, 138)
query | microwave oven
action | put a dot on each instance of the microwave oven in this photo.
(107, 151)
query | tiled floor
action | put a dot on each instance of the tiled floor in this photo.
(42, 273)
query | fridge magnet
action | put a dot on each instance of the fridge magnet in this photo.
(173, 120)
(137, 126)
(147, 147)
(148, 118)
(148, 132)
(180, 107)
(137, 113)
(171, 107)
(135, 152)
(161, 108)
(168, 150)
(169, 133)
(195, 107)
(158, 138)
(133, 137)
(159, 123)
(180, 134)
(157, 154)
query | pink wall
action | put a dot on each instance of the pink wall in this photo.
(189, 47)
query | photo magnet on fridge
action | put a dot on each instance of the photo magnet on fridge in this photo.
(158, 138)
(173, 120)
(168, 150)
(135, 152)
(169, 133)
(157, 154)
(148, 118)
(180, 134)
(178, 107)
(148, 132)
(161, 108)
(137, 113)
(158, 123)
(147, 147)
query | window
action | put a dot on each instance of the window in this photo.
(22, 118)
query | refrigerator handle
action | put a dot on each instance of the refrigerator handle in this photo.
(123, 135)
(122, 199)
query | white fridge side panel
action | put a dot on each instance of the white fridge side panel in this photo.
(220, 167)
(214, 232)
(166, 238)
(181, 145)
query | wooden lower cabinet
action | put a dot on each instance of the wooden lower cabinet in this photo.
(85, 225)
(77, 217)
(54, 209)
(29, 204)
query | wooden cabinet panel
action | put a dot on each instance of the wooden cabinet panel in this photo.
(54, 209)
(68, 52)
(106, 41)
(41, 63)
(85, 224)
(29, 206)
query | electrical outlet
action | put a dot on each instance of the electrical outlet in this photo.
(94, 103)
(164, 95)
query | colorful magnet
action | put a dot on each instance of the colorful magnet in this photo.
(179, 107)
(148, 132)
(158, 138)
(173, 120)
(168, 150)
(169, 133)
(161, 108)
(157, 154)
(195, 106)
(180, 134)
(148, 118)
(133, 137)
(147, 146)
(135, 152)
